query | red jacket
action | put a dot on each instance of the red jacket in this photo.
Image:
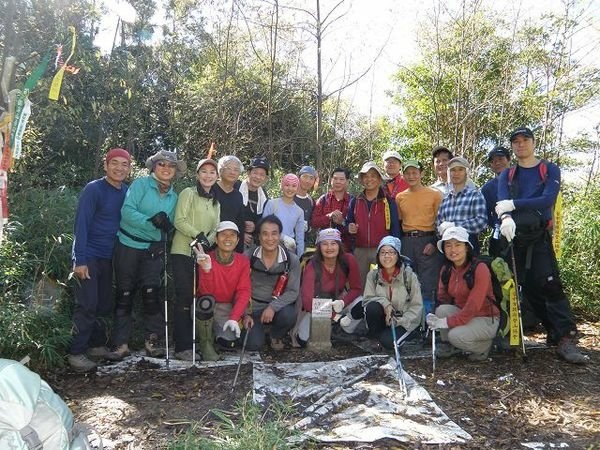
(228, 284)
(328, 283)
(372, 226)
(328, 203)
(477, 302)
(394, 186)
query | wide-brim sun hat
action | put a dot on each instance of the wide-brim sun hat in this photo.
(458, 233)
(164, 155)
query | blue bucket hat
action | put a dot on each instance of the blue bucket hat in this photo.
(393, 242)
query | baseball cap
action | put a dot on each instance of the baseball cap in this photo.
(498, 151)
(412, 163)
(368, 166)
(227, 225)
(391, 154)
(523, 131)
(458, 161)
(458, 233)
(212, 162)
(260, 162)
(117, 152)
(309, 170)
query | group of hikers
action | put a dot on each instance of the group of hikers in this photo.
(394, 259)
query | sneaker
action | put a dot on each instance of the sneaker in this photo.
(119, 353)
(225, 345)
(277, 344)
(81, 363)
(446, 350)
(187, 355)
(153, 347)
(567, 350)
(348, 324)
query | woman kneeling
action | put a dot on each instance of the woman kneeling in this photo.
(467, 317)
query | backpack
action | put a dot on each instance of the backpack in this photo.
(406, 263)
(469, 276)
(318, 273)
(32, 416)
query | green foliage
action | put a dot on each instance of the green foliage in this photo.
(248, 427)
(580, 258)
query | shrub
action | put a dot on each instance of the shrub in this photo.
(580, 258)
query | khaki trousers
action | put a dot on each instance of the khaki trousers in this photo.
(474, 337)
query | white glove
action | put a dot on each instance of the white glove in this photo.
(202, 258)
(337, 305)
(504, 206)
(508, 228)
(435, 323)
(288, 242)
(444, 226)
(233, 326)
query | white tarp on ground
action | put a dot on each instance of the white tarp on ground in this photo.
(356, 400)
(227, 359)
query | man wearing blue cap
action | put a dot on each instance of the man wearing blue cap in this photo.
(525, 195)
(499, 160)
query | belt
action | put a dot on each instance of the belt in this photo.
(417, 233)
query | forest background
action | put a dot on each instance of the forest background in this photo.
(275, 78)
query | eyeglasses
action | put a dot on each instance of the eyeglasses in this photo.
(166, 164)
(386, 253)
(232, 169)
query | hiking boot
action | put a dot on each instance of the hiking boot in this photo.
(277, 344)
(81, 363)
(187, 355)
(446, 350)
(567, 350)
(153, 347)
(477, 357)
(119, 353)
(225, 345)
(97, 353)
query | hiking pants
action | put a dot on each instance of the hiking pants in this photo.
(93, 306)
(375, 318)
(426, 267)
(138, 269)
(542, 286)
(283, 321)
(183, 279)
(365, 256)
(474, 337)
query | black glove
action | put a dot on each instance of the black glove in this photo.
(161, 221)
(203, 241)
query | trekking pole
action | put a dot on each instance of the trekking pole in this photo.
(237, 372)
(519, 295)
(399, 369)
(166, 303)
(433, 353)
(194, 311)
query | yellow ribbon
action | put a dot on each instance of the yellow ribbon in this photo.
(557, 222)
(58, 78)
(513, 317)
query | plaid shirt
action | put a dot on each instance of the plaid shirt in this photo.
(465, 208)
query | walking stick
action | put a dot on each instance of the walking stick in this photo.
(237, 372)
(399, 369)
(433, 352)
(166, 303)
(519, 295)
(194, 311)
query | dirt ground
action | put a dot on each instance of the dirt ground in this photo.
(502, 403)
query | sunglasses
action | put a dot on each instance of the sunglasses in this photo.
(166, 164)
